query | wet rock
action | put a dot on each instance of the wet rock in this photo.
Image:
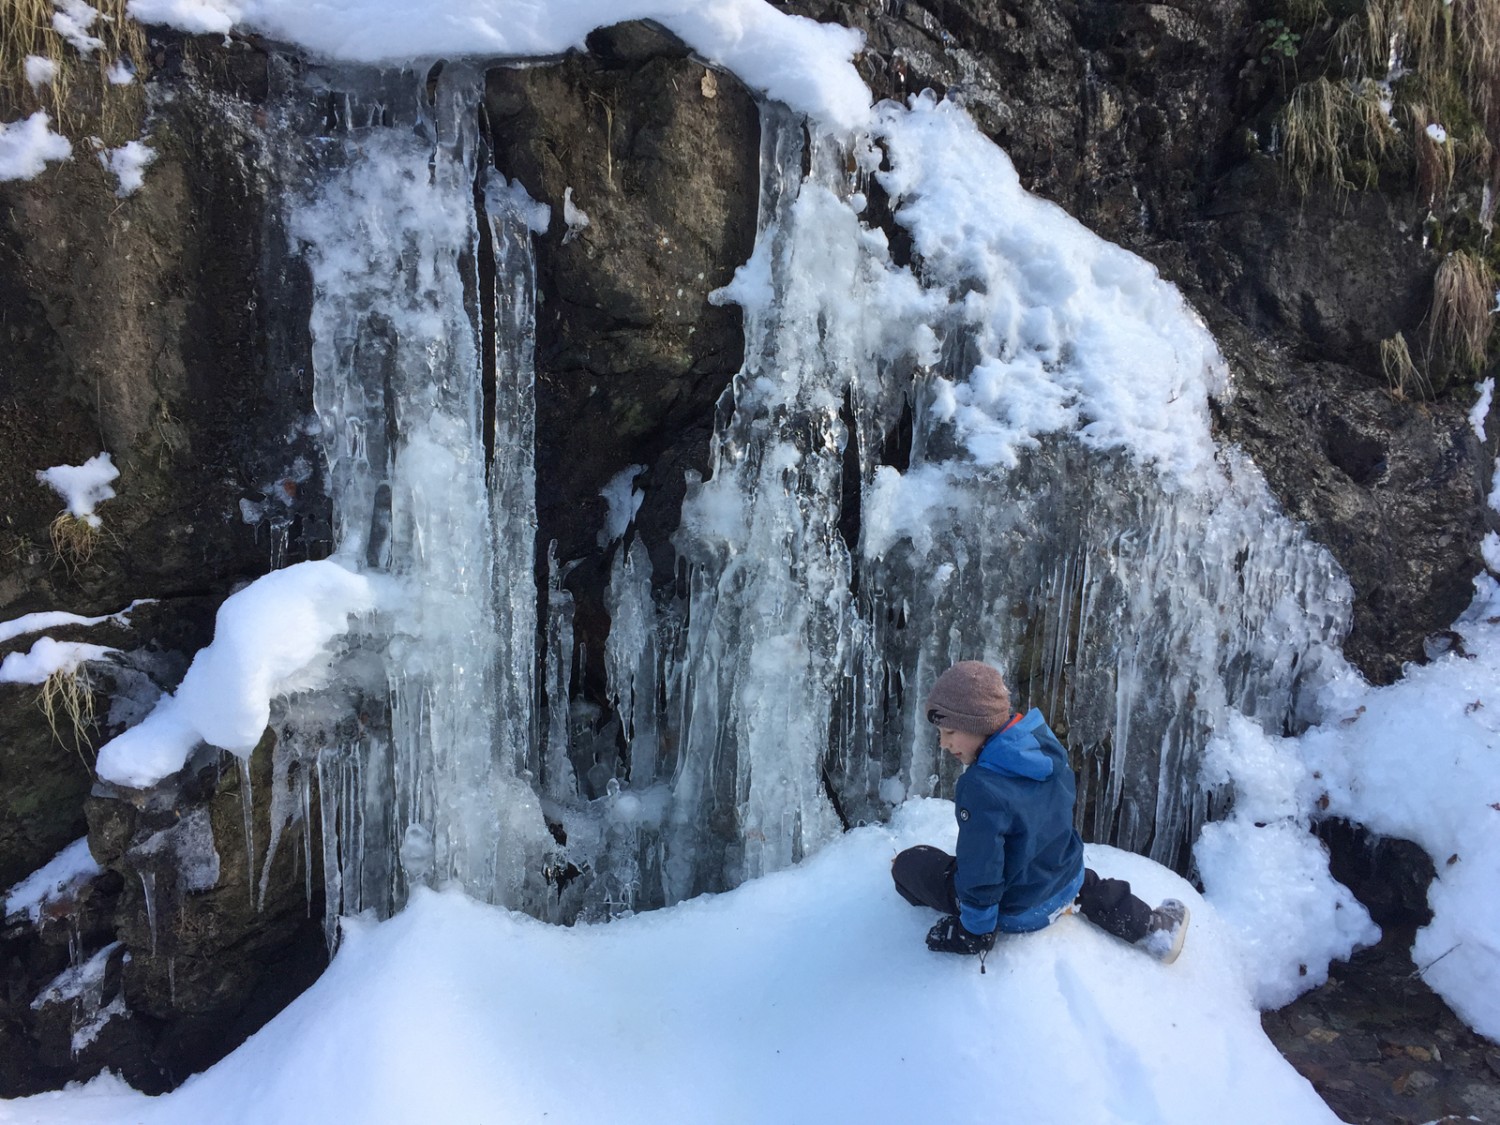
(661, 155)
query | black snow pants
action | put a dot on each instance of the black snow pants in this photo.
(924, 877)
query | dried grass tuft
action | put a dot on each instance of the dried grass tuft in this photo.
(67, 700)
(1335, 132)
(74, 539)
(81, 100)
(1463, 294)
(1401, 374)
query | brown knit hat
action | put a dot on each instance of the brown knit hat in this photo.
(970, 696)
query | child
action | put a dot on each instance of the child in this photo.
(1020, 861)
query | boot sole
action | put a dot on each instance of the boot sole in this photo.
(1172, 954)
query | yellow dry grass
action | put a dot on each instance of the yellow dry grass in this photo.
(80, 99)
(73, 539)
(1335, 132)
(67, 700)
(1463, 293)
(1401, 374)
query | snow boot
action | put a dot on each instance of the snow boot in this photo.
(1169, 923)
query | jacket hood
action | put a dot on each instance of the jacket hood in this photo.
(1016, 751)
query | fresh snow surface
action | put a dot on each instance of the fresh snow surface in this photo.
(803, 996)
(1267, 874)
(27, 145)
(85, 486)
(276, 636)
(128, 162)
(47, 657)
(1420, 760)
(68, 868)
(792, 59)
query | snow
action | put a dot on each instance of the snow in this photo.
(792, 59)
(275, 637)
(128, 163)
(1420, 760)
(67, 869)
(56, 619)
(72, 20)
(27, 145)
(807, 995)
(1267, 874)
(47, 657)
(1481, 408)
(120, 73)
(1076, 334)
(84, 487)
(1438, 134)
(40, 71)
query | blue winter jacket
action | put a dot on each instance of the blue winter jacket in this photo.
(1019, 859)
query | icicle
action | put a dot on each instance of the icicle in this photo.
(247, 811)
(148, 891)
(389, 230)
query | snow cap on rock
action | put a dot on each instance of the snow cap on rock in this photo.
(970, 696)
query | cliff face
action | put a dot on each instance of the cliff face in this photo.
(169, 328)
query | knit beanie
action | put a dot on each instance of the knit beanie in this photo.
(970, 696)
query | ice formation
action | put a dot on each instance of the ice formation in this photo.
(1000, 452)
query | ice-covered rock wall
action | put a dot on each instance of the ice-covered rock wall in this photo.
(426, 783)
(1000, 450)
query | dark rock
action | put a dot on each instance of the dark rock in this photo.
(1389, 876)
(662, 156)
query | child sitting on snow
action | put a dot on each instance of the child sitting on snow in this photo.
(1020, 861)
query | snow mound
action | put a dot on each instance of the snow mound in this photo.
(802, 996)
(1420, 760)
(273, 638)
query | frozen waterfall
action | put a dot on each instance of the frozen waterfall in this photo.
(1000, 450)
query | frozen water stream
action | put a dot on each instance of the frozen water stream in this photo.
(1024, 409)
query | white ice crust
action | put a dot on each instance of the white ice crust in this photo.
(69, 867)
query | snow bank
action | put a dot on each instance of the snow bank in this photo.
(274, 637)
(27, 145)
(1267, 874)
(789, 58)
(802, 996)
(1420, 760)
(84, 487)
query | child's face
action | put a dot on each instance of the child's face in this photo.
(961, 744)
